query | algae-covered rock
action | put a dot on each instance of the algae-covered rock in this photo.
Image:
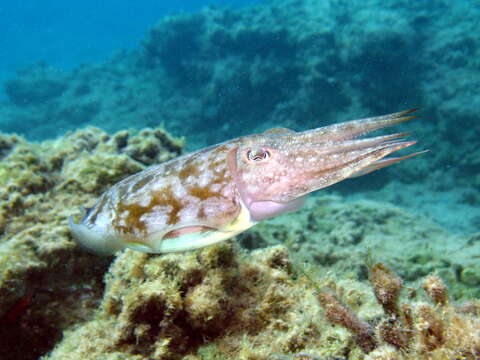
(47, 283)
(344, 236)
(222, 302)
(225, 303)
(219, 299)
(35, 85)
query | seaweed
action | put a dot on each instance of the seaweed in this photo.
(415, 329)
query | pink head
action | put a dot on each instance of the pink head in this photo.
(275, 169)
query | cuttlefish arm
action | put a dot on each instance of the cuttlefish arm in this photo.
(352, 129)
(379, 164)
(286, 167)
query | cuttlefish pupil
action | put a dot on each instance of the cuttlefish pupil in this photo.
(218, 192)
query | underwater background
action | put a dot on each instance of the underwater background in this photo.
(94, 92)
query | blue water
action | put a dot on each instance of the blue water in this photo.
(66, 33)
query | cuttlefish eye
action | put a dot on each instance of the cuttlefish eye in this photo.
(257, 155)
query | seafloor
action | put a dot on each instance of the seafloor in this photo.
(322, 283)
(268, 295)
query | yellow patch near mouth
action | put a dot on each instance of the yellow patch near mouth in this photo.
(242, 222)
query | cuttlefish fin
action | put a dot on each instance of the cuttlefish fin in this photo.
(279, 131)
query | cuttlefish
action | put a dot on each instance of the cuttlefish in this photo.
(215, 193)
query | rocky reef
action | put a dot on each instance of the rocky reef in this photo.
(267, 295)
(47, 283)
(340, 236)
(344, 278)
(222, 303)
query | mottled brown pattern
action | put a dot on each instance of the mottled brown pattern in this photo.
(128, 219)
(215, 155)
(203, 193)
(133, 222)
(190, 168)
(214, 163)
(167, 198)
(201, 212)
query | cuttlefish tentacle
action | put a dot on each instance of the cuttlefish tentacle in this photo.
(384, 163)
(354, 128)
(216, 193)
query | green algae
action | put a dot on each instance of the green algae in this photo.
(470, 276)
(253, 306)
(222, 302)
(340, 236)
